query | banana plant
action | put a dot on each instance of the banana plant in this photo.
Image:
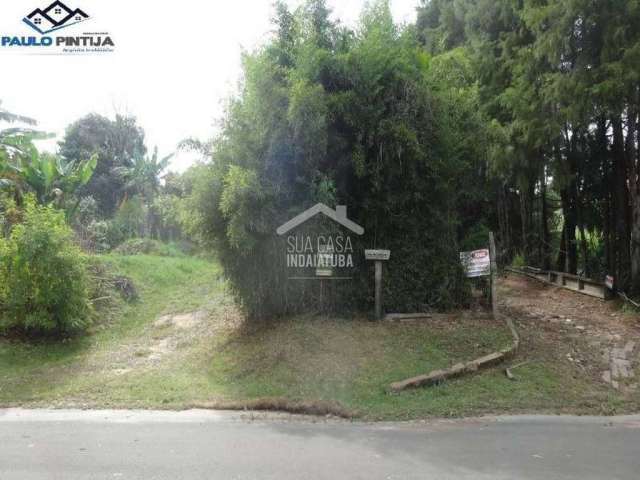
(16, 142)
(50, 176)
(144, 174)
(23, 168)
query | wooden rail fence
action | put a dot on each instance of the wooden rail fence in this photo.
(575, 283)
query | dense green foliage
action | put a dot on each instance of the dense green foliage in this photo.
(116, 143)
(52, 179)
(360, 118)
(43, 282)
(126, 194)
(560, 83)
(42, 271)
(13, 140)
(50, 176)
(517, 117)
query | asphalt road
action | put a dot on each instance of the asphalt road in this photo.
(70, 445)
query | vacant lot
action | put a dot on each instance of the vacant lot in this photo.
(184, 344)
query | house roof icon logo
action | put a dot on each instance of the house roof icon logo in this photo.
(54, 17)
(338, 215)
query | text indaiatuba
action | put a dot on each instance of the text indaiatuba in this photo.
(304, 251)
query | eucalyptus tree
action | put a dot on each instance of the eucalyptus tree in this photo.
(560, 83)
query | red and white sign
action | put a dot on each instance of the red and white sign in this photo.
(476, 263)
(609, 282)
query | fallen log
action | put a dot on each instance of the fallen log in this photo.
(400, 317)
(437, 376)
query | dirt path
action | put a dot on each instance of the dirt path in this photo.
(597, 337)
(168, 339)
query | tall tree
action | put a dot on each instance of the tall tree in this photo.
(116, 142)
(363, 118)
(560, 80)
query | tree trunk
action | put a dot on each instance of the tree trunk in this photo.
(523, 224)
(608, 222)
(530, 210)
(544, 214)
(578, 162)
(621, 206)
(561, 262)
(635, 241)
(503, 220)
(570, 224)
(634, 188)
(584, 249)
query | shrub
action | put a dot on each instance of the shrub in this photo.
(10, 213)
(130, 219)
(369, 125)
(43, 282)
(87, 211)
(168, 210)
(99, 234)
(519, 261)
(114, 235)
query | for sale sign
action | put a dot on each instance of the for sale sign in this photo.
(476, 263)
(609, 282)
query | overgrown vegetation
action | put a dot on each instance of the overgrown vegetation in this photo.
(559, 84)
(48, 212)
(520, 118)
(43, 282)
(307, 364)
(361, 118)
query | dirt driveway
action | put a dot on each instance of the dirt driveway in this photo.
(598, 337)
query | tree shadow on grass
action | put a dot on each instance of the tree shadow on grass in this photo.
(32, 368)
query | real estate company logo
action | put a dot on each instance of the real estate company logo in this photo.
(54, 18)
(324, 252)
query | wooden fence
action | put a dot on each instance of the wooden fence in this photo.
(575, 283)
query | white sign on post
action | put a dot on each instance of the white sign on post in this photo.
(381, 255)
(476, 263)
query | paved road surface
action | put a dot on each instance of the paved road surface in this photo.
(71, 445)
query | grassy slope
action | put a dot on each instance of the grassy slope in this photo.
(303, 359)
(52, 371)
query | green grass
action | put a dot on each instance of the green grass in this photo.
(354, 362)
(50, 371)
(347, 363)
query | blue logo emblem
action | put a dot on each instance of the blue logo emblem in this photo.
(54, 17)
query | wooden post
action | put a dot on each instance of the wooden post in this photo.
(378, 256)
(378, 277)
(494, 273)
